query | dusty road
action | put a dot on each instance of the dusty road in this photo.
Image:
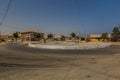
(19, 62)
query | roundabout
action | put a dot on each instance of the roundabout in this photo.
(66, 46)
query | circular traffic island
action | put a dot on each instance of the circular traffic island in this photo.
(69, 46)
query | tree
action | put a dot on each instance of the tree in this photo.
(62, 37)
(77, 37)
(73, 35)
(87, 39)
(39, 36)
(104, 36)
(16, 35)
(116, 33)
(50, 36)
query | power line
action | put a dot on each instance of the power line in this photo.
(5, 14)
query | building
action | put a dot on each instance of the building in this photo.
(29, 35)
(97, 37)
(57, 37)
(6, 37)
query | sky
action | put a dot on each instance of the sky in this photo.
(61, 16)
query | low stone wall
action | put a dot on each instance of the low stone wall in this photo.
(74, 47)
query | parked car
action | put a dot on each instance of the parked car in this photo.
(2, 40)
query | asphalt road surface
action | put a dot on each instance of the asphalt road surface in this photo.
(19, 62)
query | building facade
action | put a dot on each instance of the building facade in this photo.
(97, 37)
(29, 35)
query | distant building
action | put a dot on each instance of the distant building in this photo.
(6, 37)
(29, 35)
(97, 37)
(57, 37)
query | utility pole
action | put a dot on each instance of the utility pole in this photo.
(0, 30)
(79, 35)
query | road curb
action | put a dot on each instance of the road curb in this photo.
(68, 47)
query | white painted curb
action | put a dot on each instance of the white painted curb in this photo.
(68, 47)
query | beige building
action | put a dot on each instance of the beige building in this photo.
(6, 37)
(29, 35)
(97, 37)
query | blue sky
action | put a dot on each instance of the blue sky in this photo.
(61, 16)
